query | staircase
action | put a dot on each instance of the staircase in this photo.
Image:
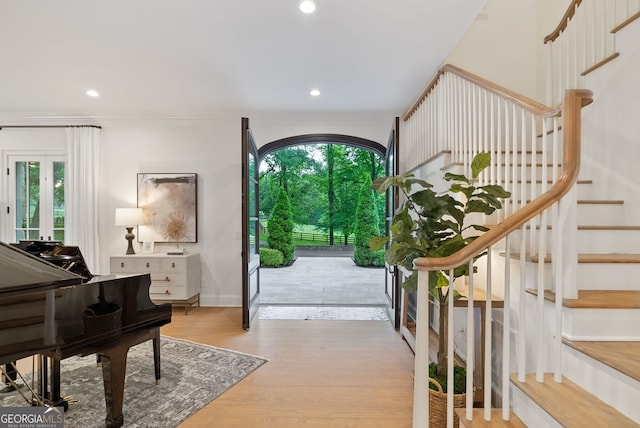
(601, 341)
(572, 361)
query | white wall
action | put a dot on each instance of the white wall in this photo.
(501, 45)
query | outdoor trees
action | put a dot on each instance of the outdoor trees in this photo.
(323, 182)
(296, 171)
(366, 228)
(280, 227)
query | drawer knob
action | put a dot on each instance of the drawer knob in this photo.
(173, 264)
(167, 292)
(166, 278)
(122, 264)
(147, 264)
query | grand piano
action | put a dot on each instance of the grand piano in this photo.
(51, 305)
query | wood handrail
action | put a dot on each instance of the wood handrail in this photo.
(564, 21)
(574, 100)
(526, 103)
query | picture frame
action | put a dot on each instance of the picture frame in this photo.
(169, 204)
(147, 247)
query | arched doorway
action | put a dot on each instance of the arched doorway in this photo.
(322, 279)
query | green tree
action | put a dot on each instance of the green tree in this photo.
(280, 227)
(366, 228)
(297, 171)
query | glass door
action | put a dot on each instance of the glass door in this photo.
(36, 195)
(391, 279)
(250, 227)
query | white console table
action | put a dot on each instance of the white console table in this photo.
(175, 279)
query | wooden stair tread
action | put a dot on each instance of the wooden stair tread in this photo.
(597, 299)
(601, 201)
(548, 181)
(582, 201)
(612, 227)
(588, 258)
(588, 227)
(495, 422)
(569, 404)
(621, 356)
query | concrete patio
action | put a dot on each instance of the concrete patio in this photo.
(334, 281)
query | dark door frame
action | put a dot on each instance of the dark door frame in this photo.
(296, 140)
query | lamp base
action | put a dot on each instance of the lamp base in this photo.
(129, 237)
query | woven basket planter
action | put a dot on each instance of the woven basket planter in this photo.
(438, 406)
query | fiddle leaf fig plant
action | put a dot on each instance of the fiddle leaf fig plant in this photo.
(432, 224)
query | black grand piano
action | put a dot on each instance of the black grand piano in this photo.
(51, 305)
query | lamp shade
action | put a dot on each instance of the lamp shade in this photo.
(129, 216)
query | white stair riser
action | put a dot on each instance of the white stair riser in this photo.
(590, 276)
(609, 385)
(584, 190)
(528, 174)
(601, 324)
(608, 276)
(604, 215)
(608, 241)
(529, 412)
(588, 241)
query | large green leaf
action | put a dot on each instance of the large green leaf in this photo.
(496, 190)
(479, 206)
(378, 242)
(449, 176)
(480, 162)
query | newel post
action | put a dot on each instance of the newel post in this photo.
(421, 370)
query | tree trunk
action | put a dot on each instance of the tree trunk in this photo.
(331, 191)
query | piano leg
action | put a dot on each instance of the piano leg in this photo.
(56, 399)
(114, 366)
(156, 355)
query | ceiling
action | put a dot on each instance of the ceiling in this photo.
(198, 57)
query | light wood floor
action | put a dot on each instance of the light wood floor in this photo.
(320, 373)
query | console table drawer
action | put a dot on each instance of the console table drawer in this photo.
(173, 279)
(167, 292)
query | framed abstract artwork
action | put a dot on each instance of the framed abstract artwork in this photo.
(169, 204)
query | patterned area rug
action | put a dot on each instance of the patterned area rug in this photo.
(192, 376)
(348, 313)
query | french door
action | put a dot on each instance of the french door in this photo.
(392, 277)
(36, 197)
(250, 227)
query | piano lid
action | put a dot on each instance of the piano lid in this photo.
(22, 271)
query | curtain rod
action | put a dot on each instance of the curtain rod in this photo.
(50, 126)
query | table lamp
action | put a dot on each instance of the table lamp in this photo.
(129, 217)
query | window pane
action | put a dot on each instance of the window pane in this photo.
(58, 200)
(27, 210)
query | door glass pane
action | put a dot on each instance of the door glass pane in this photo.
(253, 237)
(58, 201)
(27, 200)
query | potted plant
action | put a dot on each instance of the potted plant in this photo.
(431, 224)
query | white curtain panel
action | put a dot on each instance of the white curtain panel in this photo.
(81, 195)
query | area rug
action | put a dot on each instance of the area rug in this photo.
(192, 376)
(348, 313)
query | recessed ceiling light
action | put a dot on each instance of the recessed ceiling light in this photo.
(314, 93)
(307, 6)
(93, 93)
